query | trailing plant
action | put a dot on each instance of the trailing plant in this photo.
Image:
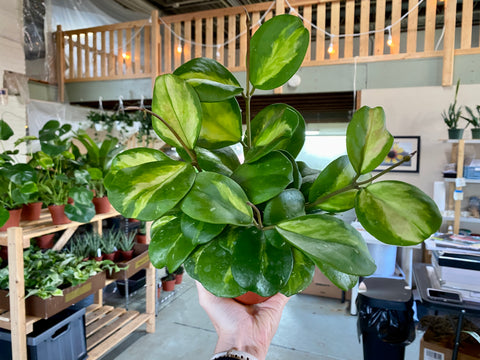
(261, 221)
(126, 241)
(453, 114)
(47, 273)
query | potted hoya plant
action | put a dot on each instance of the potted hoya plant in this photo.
(96, 161)
(259, 221)
(451, 117)
(17, 181)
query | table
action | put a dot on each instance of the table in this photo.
(425, 278)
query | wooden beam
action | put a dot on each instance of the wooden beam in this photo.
(449, 42)
(60, 42)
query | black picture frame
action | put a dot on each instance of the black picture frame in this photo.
(402, 146)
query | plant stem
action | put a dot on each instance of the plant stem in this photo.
(356, 185)
(190, 152)
(258, 223)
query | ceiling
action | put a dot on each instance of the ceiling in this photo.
(171, 7)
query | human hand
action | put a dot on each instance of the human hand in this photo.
(248, 328)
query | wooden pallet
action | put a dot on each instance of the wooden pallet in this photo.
(107, 326)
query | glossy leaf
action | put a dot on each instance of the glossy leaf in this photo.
(257, 265)
(274, 238)
(212, 91)
(5, 130)
(297, 177)
(337, 175)
(287, 205)
(81, 195)
(223, 161)
(217, 199)
(206, 68)
(270, 127)
(44, 160)
(158, 224)
(19, 173)
(397, 213)
(148, 191)
(368, 141)
(214, 267)
(221, 124)
(277, 50)
(295, 144)
(169, 247)
(326, 239)
(302, 274)
(340, 279)
(199, 232)
(265, 178)
(4, 216)
(177, 103)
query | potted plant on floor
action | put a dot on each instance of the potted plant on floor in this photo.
(474, 120)
(451, 117)
(96, 161)
(262, 223)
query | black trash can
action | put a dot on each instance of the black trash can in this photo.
(385, 318)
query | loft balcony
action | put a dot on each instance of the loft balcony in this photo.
(342, 32)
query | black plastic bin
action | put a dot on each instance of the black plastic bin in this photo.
(61, 337)
(385, 318)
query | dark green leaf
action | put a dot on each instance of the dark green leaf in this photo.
(287, 205)
(397, 213)
(340, 279)
(270, 127)
(5, 130)
(257, 265)
(297, 177)
(302, 274)
(326, 239)
(4, 216)
(221, 124)
(148, 191)
(80, 213)
(295, 144)
(199, 232)
(212, 91)
(277, 50)
(217, 199)
(368, 141)
(169, 247)
(222, 161)
(81, 196)
(176, 103)
(265, 178)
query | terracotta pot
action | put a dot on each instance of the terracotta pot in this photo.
(102, 205)
(126, 255)
(168, 285)
(58, 214)
(178, 279)
(251, 298)
(141, 238)
(98, 258)
(31, 211)
(45, 241)
(110, 256)
(13, 220)
(132, 220)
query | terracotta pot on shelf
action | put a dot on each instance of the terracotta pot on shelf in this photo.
(58, 214)
(141, 238)
(98, 258)
(31, 211)
(45, 241)
(168, 285)
(178, 279)
(251, 298)
(13, 220)
(102, 205)
(126, 255)
(110, 256)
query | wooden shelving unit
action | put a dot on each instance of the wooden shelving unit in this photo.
(106, 326)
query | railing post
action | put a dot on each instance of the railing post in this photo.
(279, 10)
(155, 46)
(449, 42)
(60, 43)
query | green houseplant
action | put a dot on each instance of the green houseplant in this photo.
(474, 120)
(451, 117)
(126, 242)
(262, 224)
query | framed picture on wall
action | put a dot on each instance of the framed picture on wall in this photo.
(402, 146)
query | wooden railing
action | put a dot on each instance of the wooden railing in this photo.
(352, 28)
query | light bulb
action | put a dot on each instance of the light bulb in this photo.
(331, 50)
(126, 56)
(389, 41)
(179, 49)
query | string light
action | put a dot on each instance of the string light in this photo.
(126, 56)
(179, 49)
(389, 40)
(331, 49)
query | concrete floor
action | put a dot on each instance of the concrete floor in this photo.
(311, 328)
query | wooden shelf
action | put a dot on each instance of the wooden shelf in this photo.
(471, 220)
(468, 181)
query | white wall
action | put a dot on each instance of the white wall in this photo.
(417, 111)
(12, 59)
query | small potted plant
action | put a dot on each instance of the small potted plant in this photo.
(79, 247)
(474, 120)
(168, 281)
(109, 242)
(141, 237)
(179, 275)
(94, 245)
(451, 117)
(126, 241)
